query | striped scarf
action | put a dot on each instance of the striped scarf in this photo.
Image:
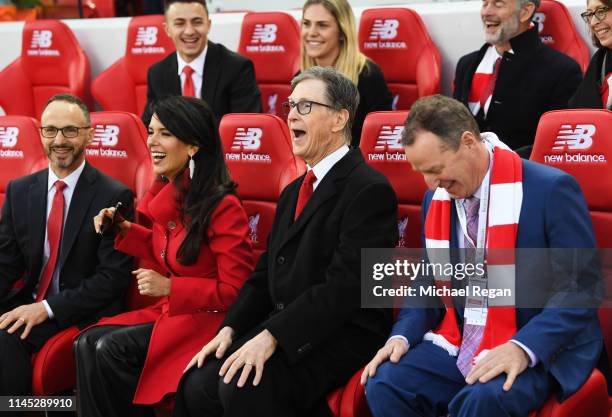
(505, 198)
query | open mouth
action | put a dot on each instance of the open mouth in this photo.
(190, 42)
(491, 26)
(298, 133)
(158, 156)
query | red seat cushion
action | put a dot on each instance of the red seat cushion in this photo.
(53, 367)
(397, 40)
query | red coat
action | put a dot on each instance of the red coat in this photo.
(200, 294)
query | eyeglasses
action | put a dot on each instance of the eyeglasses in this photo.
(304, 107)
(68, 131)
(599, 13)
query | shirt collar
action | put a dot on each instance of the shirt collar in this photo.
(70, 180)
(478, 191)
(197, 64)
(324, 165)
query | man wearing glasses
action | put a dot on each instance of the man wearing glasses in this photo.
(514, 78)
(296, 330)
(69, 274)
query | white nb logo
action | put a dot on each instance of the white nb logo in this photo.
(539, 19)
(272, 99)
(580, 137)
(41, 39)
(384, 29)
(106, 135)
(264, 33)
(146, 35)
(8, 136)
(248, 139)
(253, 222)
(389, 137)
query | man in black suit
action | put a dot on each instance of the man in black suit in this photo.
(514, 78)
(296, 330)
(71, 275)
(200, 68)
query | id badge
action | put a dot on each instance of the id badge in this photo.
(475, 312)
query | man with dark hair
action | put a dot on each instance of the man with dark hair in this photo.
(70, 274)
(514, 78)
(451, 358)
(296, 330)
(200, 68)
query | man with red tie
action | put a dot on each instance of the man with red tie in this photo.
(296, 330)
(200, 68)
(55, 271)
(514, 78)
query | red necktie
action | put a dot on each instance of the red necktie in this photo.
(306, 191)
(54, 236)
(188, 88)
(488, 90)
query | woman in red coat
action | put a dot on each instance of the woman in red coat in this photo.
(199, 235)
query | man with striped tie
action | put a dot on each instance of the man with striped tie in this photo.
(200, 68)
(514, 78)
(480, 357)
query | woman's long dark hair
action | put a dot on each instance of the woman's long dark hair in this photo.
(193, 122)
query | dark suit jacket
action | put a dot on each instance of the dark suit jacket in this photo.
(566, 341)
(588, 96)
(306, 288)
(93, 275)
(228, 82)
(533, 80)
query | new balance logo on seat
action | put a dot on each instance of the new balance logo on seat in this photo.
(384, 29)
(105, 135)
(146, 35)
(264, 33)
(8, 136)
(578, 138)
(41, 39)
(538, 19)
(389, 138)
(248, 139)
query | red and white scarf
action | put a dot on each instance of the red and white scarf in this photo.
(505, 199)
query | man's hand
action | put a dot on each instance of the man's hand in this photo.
(393, 350)
(219, 344)
(253, 354)
(508, 358)
(29, 315)
(152, 283)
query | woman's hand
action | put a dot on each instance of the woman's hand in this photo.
(219, 345)
(152, 283)
(109, 213)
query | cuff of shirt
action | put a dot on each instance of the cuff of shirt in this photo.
(533, 359)
(49, 311)
(398, 336)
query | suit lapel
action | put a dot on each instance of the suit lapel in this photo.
(173, 78)
(212, 69)
(37, 215)
(84, 192)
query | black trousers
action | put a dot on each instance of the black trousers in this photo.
(16, 354)
(109, 360)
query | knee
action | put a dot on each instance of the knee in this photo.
(107, 348)
(83, 344)
(489, 395)
(380, 389)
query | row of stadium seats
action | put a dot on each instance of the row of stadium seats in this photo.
(52, 61)
(259, 155)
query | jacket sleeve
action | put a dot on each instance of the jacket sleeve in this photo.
(244, 94)
(370, 221)
(151, 97)
(228, 239)
(12, 262)
(566, 85)
(105, 286)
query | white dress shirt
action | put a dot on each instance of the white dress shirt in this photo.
(70, 181)
(324, 165)
(197, 65)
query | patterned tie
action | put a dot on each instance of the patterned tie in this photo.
(472, 334)
(188, 87)
(490, 86)
(306, 191)
(54, 236)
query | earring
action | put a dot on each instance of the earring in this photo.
(191, 167)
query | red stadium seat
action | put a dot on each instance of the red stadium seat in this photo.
(558, 31)
(397, 40)
(51, 62)
(272, 42)
(123, 85)
(21, 151)
(259, 155)
(381, 147)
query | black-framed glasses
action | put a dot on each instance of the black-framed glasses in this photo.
(599, 13)
(68, 131)
(304, 107)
